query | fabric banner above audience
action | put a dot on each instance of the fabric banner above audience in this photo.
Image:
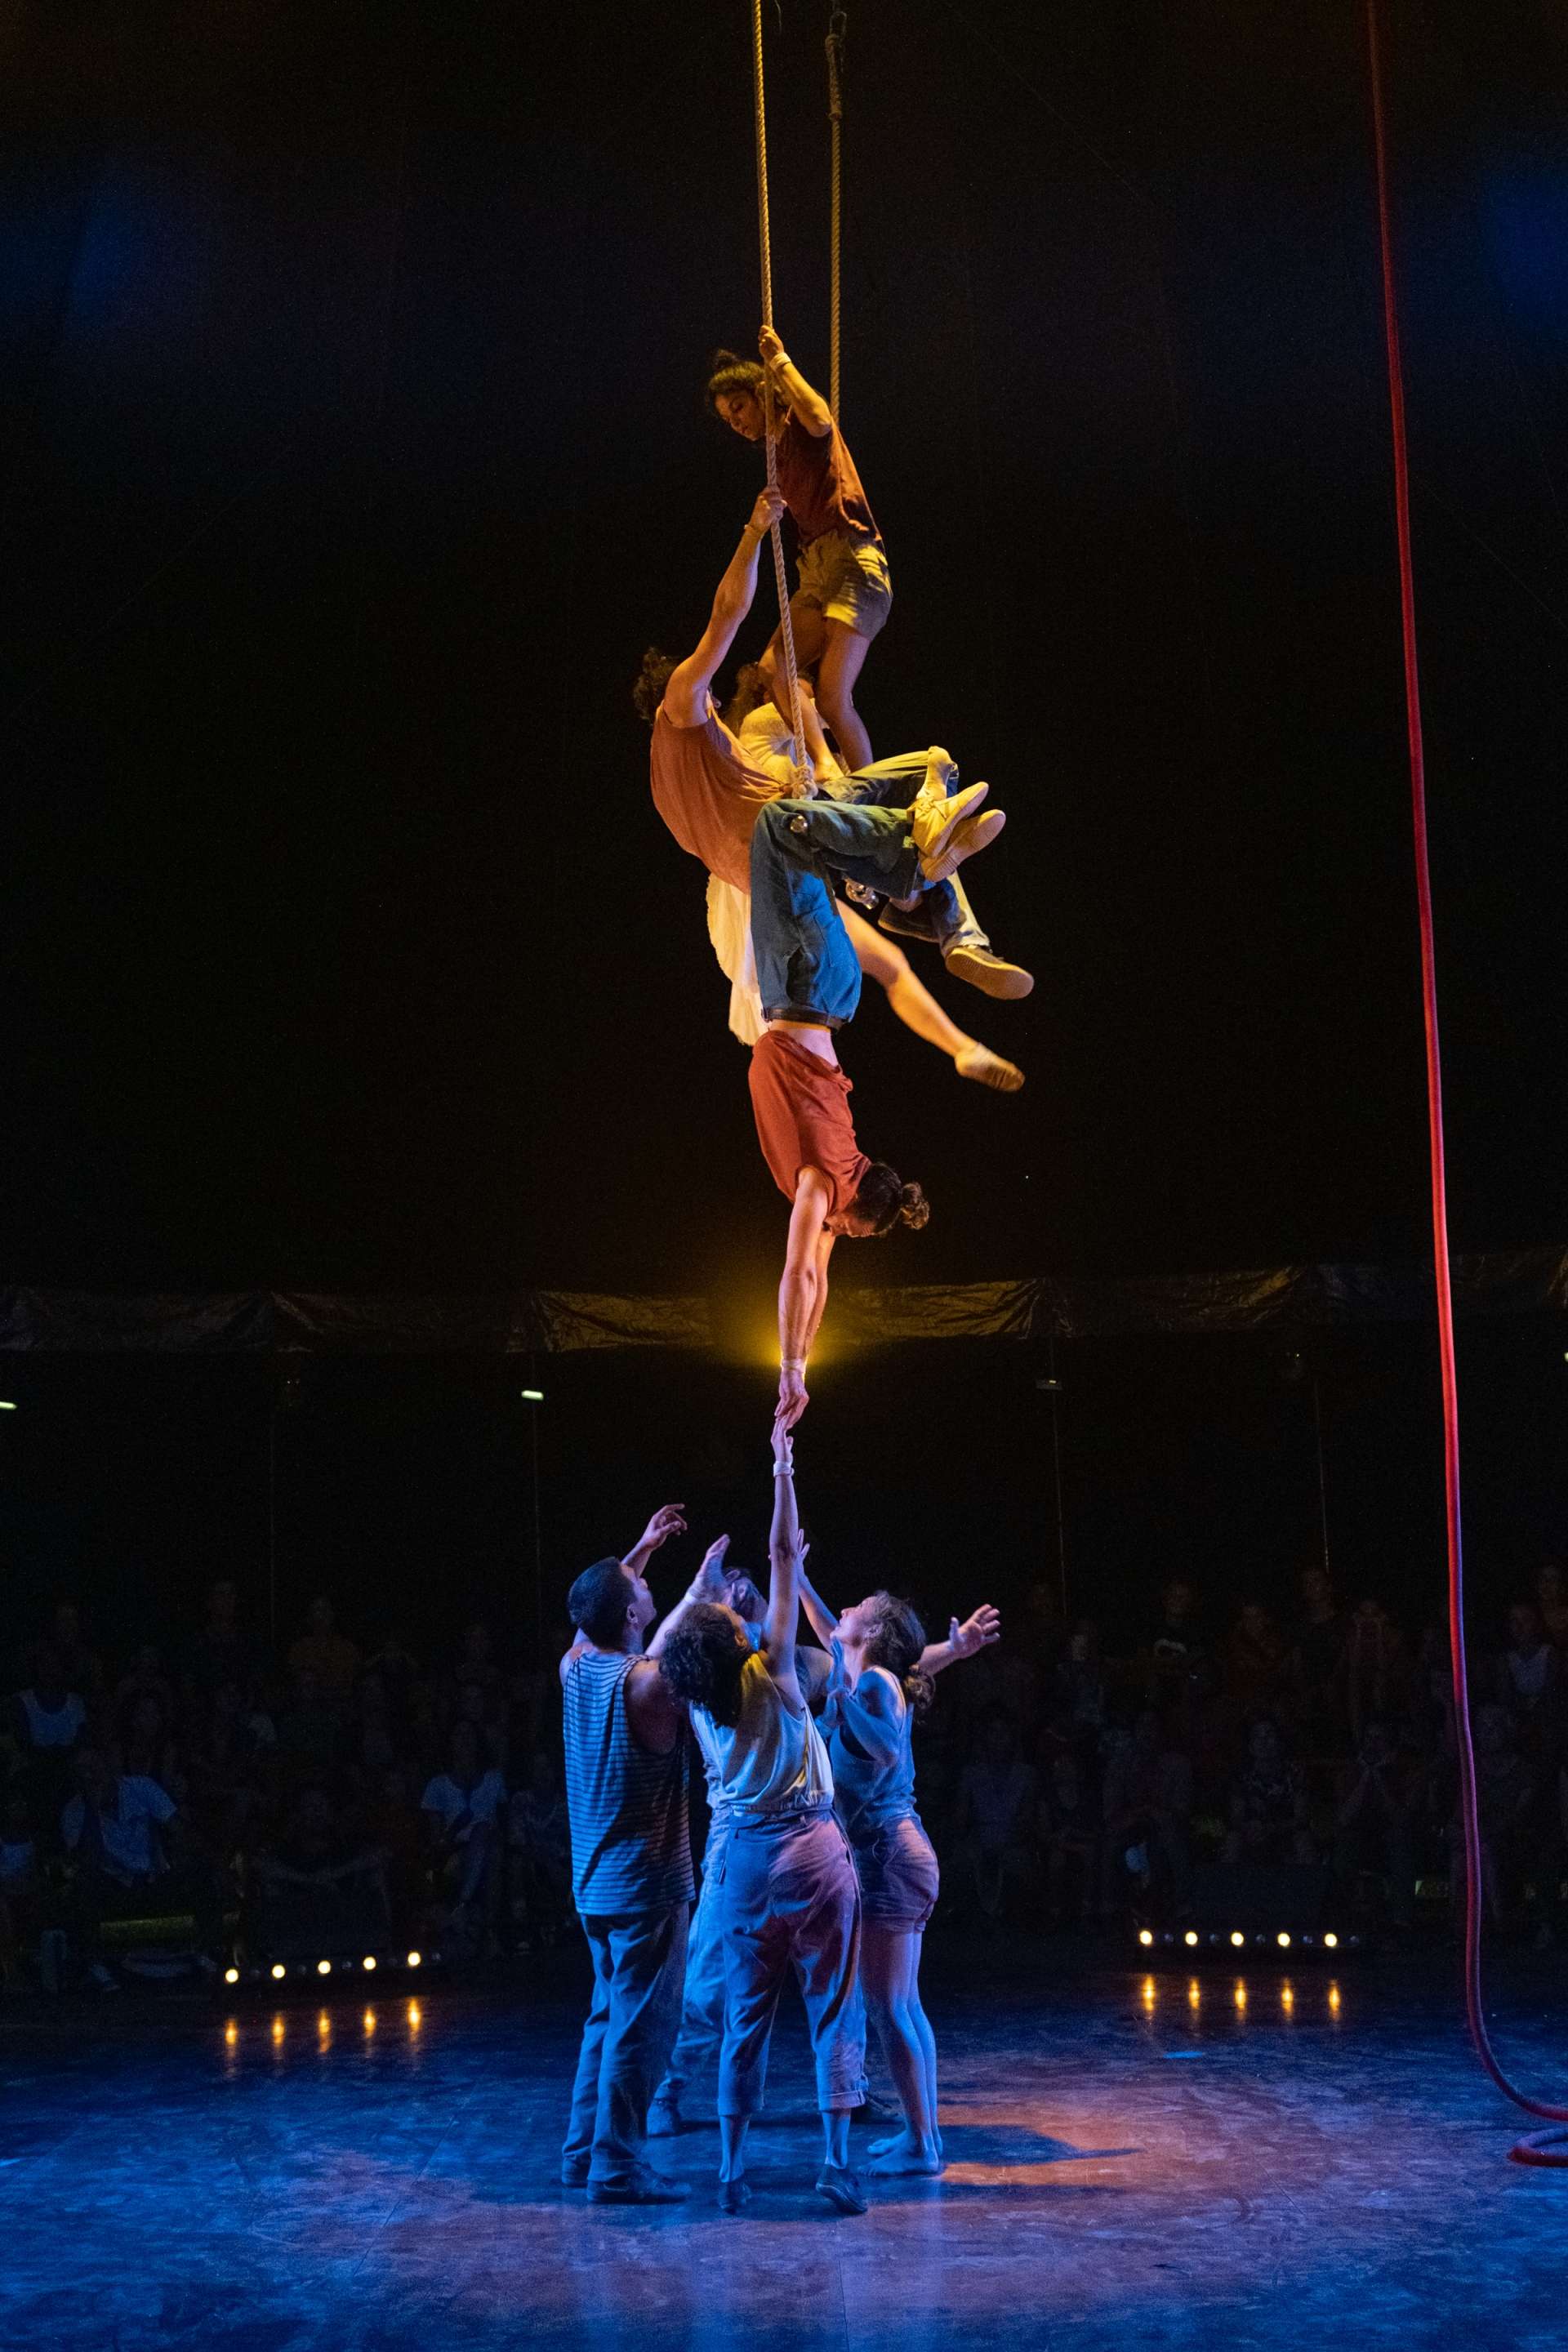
(562, 1322)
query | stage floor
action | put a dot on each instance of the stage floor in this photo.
(1211, 2161)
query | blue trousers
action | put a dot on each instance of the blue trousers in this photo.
(638, 1963)
(943, 914)
(702, 2001)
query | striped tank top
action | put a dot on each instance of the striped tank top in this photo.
(631, 1846)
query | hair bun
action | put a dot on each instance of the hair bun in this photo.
(914, 1209)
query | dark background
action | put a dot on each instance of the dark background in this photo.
(353, 450)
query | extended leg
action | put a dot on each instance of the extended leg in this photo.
(890, 1964)
(918, 1009)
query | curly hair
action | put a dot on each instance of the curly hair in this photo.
(648, 689)
(728, 371)
(896, 1645)
(703, 1661)
(888, 1201)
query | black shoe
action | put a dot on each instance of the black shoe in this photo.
(574, 2176)
(647, 2188)
(734, 2197)
(842, 2190)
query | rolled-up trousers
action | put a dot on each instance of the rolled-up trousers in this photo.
(790, 1900)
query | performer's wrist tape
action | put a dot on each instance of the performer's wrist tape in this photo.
(792, 1364)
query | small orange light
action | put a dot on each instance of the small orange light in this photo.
(413, 2017)
(1145, 1935)
(1236, 1937)
(279, 1970)
(231, 2033)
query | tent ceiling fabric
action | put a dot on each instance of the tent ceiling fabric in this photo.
(565, 1322)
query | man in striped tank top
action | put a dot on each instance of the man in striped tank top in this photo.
(631, 1862)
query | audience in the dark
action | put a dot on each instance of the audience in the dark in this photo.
(341, 1796)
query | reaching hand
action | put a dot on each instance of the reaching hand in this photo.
(768, 509)
(793, 1401)
(976, 1633)
(666, 1521)
(711, 1583)
(771, 346)
(783, 1444)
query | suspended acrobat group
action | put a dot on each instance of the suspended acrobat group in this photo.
(782, 800)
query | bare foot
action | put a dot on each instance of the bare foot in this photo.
(988, 1069)
(905, 2155)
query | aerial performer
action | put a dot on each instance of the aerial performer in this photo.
(708, 794)
(877, 1685)
(844, 594)
(789, 1897)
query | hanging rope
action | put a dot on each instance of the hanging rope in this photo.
(837, 26)
(1542, 2147)
(764, 232)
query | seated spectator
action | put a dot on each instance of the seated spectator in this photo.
(219, 1653)
(1374, 1821)
(49, 1719)
(997, 1799)
(374, 1739)
(462, 1807)
(475, 1662)
(1255, 1662)
(1079, 1682)
(1316, 1644)
(1374, 1681)
(485, 1708)
(119, 1832)
(1069, 1821)
(540, 1848)
(395, 1828)
(309, 1733)
(231, 1768)
(1505, 1797)
(147, 1677)
(1179, 1671)
(143, 1746)
(325, 1653)
(320, 1884)
(1146, 1803)
(20, 1889)
(1268, 1803)
(1527, 1677)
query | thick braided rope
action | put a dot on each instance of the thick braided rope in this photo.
(836, 229)
(780, 575)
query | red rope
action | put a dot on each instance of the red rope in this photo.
(1537, 2150)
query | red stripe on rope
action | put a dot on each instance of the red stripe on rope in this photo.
(1536, 2149)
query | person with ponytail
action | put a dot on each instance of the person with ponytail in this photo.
(788, 1896)
(879, 1683)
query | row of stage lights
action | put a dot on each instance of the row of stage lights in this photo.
(279, 1969)
(1283, 1938)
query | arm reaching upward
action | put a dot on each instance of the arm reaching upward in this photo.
(819, 1616)
(708, 1584)
(666, 1522)
(966, 1641)
(808, 406)
(686, 696)
(803, 1291)
(786, 1553)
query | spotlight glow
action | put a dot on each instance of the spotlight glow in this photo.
(231, 2033)
(1331, 1943)
(279, 1969)
(1191, 1937)
(323, 1968)
(1145, 1935)
(370, 1960)
(231, 1975)
(1236, 1937)
(414, 2017)
(415, 1958)
(532, 1396)
(1283, 1940)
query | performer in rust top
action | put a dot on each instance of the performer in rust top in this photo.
(844, 594)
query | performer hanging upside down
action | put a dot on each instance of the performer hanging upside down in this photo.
(844, 594)
(810, 984)
(709, 795)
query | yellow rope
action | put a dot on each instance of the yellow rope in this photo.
(781, 574)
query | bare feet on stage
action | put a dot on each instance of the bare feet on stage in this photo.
(988, 1069)
(989, 973)
(903, 2154)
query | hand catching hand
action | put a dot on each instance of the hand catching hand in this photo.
(769, 508)
(792, 1400)
(977, 1632)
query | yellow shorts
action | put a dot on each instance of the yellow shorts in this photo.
(846, 579)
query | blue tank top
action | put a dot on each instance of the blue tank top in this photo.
(631, 1845)
(868, 1792)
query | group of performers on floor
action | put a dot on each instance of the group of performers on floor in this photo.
(816, 1862)
(891, 833)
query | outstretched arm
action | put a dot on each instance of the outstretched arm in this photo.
(785, 1557)
(666, 1522)
(686, 696)
(966, 1641)
(803, 1291)
(708, 1584)
(819, 1616)
(807, 406)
